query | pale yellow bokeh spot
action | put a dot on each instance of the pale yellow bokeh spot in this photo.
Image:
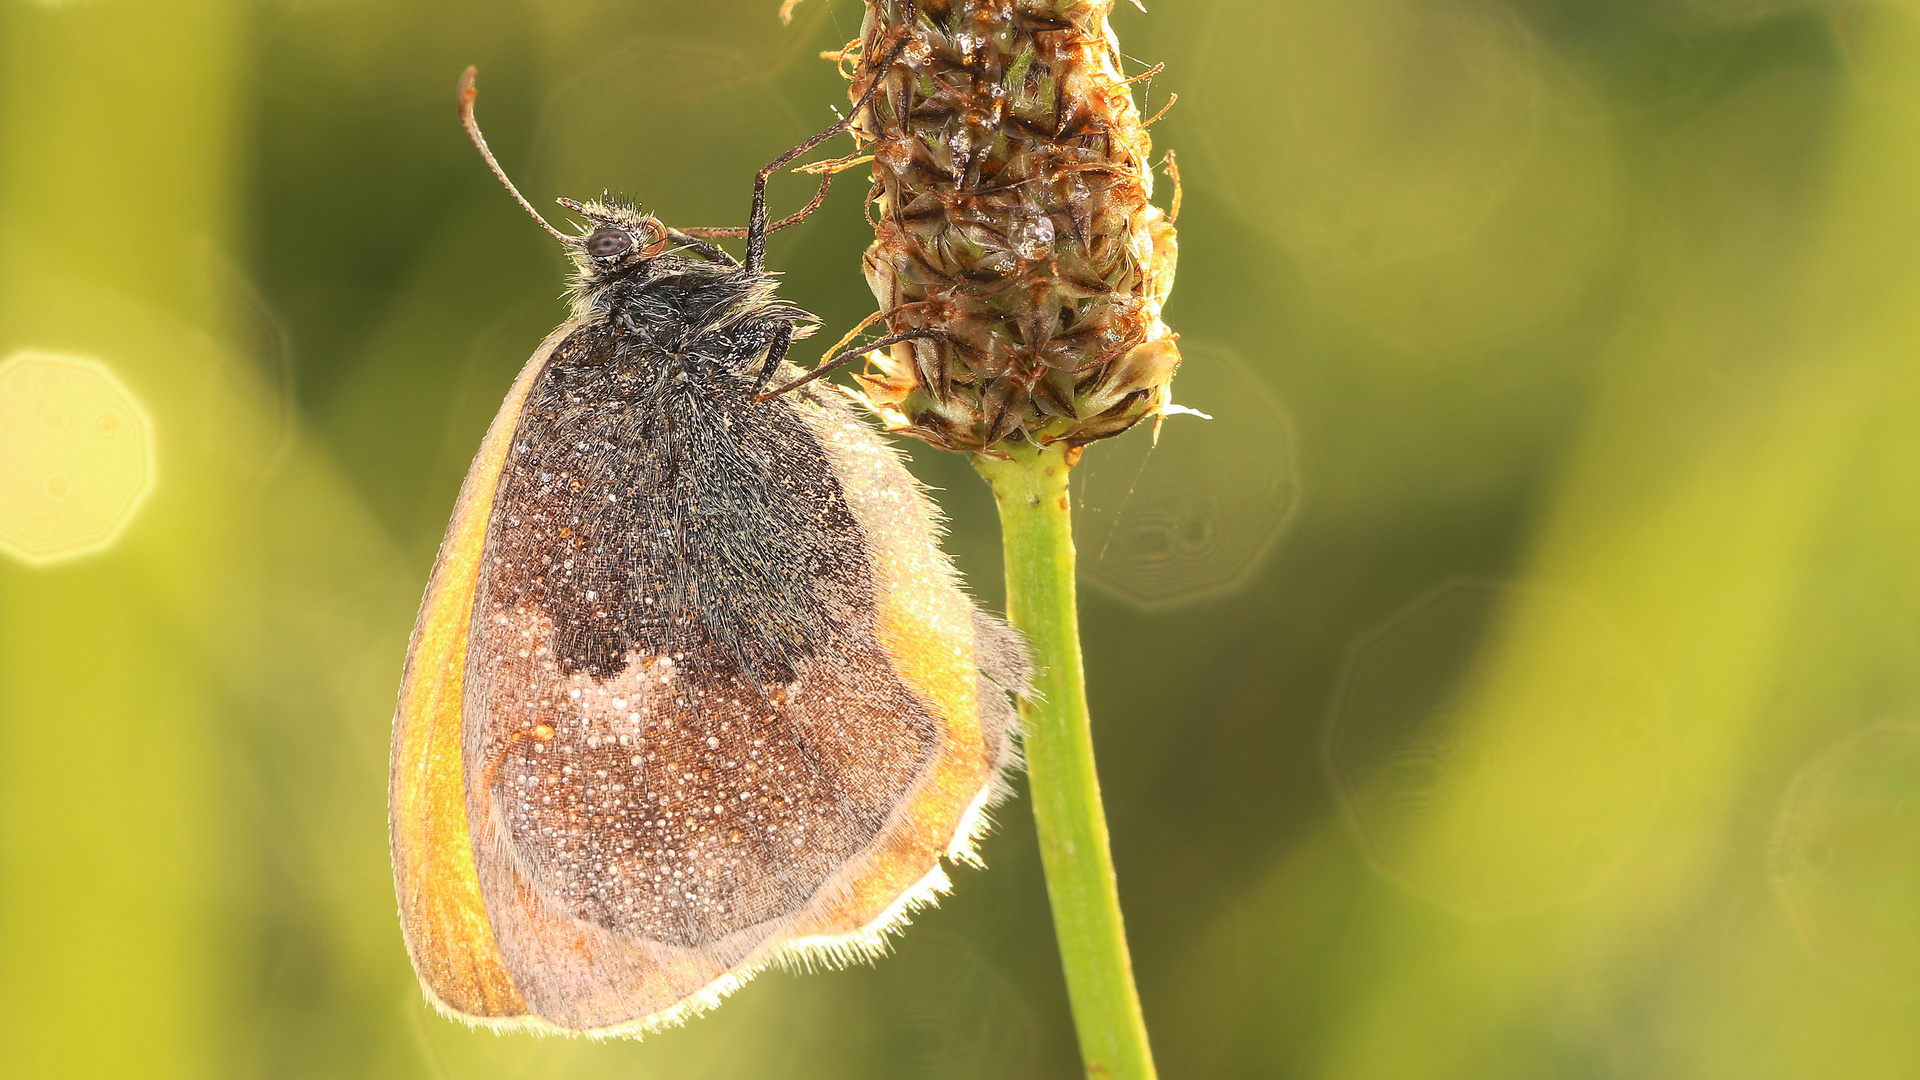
(1843, 857)
(1496, 748)
(76, 456)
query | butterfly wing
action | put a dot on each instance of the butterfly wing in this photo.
(723, 699)
(442, 914)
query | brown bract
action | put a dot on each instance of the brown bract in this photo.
(1011, 189)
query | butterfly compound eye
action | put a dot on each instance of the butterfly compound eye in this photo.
(607, 243)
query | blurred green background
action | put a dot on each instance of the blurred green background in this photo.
(1519, 678)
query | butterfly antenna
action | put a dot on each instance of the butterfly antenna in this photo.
(467, 93)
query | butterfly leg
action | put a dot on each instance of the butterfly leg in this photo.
(848, 357)
(757, 228)
(711, 252)
(776, 352)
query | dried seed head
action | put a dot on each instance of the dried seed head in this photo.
(1011, 187)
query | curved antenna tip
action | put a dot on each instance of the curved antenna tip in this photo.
(468, 92)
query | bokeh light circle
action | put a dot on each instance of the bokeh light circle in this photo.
(1496, 748)
(1846, 857)
(76, 456)
(1193, 514)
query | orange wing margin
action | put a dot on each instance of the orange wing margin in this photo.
(441, 911)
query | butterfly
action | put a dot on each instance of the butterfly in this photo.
(693, 688)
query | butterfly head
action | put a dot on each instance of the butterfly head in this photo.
(614, 238)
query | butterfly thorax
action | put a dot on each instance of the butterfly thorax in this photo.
(628, 279)
(706, 311)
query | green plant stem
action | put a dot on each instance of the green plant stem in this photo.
(1036, 528)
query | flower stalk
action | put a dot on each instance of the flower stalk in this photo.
(1020, 266)
(1030, 487)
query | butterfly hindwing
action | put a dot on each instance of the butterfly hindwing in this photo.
(720, 694)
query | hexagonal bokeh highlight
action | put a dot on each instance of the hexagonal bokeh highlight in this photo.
(1846, 857)
(1496, 748)
(76, 456)
(1194, 515)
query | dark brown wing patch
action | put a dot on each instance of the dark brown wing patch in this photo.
(678, 718)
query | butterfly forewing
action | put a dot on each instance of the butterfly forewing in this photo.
(680, 721)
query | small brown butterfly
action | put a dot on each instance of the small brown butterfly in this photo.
(693, 689)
